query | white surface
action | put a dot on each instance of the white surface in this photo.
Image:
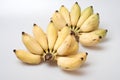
(19, 15)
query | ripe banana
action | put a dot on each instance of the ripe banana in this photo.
(68, 63)
(65, 46)
(75, 14)
(27, 57)
(62, 35)
(59, 20)
(90, 24)
(65, 13)
(84, 15)
(82, 55)
(51, 35)
(40, 36)
(31, 44)
(89, 39)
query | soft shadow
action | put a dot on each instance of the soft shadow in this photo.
(76, 72)
(105, 40)
(25, 64)
(85, 65)
(95, 47)
(52, 63)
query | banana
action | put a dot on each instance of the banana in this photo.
(31, 44)
(82, 55)
(62, 35)
(27, 57)
(67, 63)
(74, 46)
(58, 20)
(40, 36)
(51, 35)
(84, 15)
(65, 13)
(100, 32)
(75, 14)
(90, 24)
(64, 47)
(89, 39)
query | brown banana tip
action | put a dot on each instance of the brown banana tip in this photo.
(100, 37)
(14, 50)
(62, 5)
(56, 11)
(48, 56)
(91, 6)
(23, 33)
(66, 24)
(86, 53)
(76, 2)
(34, 24)
(72, 33)
(81, 58)
(106, 30)
(98, 14)
(51, 21)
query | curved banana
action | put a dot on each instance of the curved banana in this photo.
(64, 47)
(74, 46)
(75, 14)
(51, 35)
(82, 55)
(58, 20)
(67, 63)
(40, 36)
(27, 57)
(90, 24)
(31, 44)
(89, 39)
(84, 15)
(65, 13)
(62, 35)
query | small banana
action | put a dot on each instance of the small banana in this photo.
(84, 15)
(65, 13)
(31, 44)
(51, 35)
(40, 36)
(64, 47)
(74, 46)
(59, 20)
(82, 55)
(100, 32)
(68, 63)
(89, 39)
(90, 24)
(27, 57)
(62, 35)
(75, 14)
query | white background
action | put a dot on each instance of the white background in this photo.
(19, 15)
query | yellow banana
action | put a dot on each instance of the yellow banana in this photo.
(90, 24)
(31, 44)
(89, 39)
(40, 36)
(100, 32)
(82, 55)
(51, 35)
(65, 13)
(75, 14)
(67, 63)
(84, 15)
(74, 46)
(58, 20)
(27, 57)
(64, 47)
(62, 35)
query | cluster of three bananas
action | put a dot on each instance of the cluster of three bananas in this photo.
(60, 46)
(84, 24)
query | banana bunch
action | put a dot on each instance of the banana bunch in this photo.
(83, 24)
(54, 45)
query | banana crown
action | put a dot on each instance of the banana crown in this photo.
(79, 21)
